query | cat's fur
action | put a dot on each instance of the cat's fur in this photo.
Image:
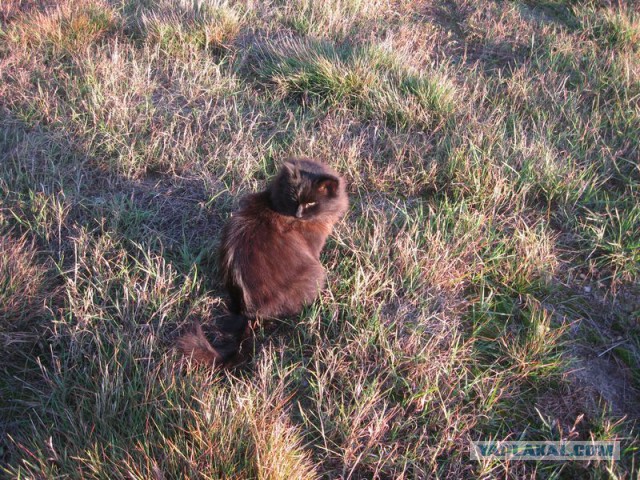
(269, 256)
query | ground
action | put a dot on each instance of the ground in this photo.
(483, 285)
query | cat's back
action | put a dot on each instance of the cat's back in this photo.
(266, 263)
(256, 226)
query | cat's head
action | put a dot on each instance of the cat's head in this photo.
(308, 190)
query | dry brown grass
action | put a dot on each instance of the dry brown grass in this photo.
(483, 285)
(23, 290)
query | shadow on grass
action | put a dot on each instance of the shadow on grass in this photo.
(50, 194)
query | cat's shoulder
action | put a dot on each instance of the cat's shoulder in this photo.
(255, 203)
(255, 213)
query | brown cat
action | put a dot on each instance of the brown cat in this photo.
(269, 257)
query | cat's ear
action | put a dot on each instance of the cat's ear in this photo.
(327, 184)
(291, 170)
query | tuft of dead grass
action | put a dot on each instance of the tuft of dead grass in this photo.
(24, 291)
(67, 28)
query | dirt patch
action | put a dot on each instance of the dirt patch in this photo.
(605, 353)
(605, 379)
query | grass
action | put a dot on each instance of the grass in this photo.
(484, 284)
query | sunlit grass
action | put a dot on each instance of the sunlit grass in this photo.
(484, 283)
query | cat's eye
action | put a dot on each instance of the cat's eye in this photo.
(310, 204)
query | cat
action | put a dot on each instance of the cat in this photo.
(270, 253)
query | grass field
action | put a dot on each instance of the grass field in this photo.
(485, 283)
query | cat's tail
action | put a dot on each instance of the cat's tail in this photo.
(196, 346)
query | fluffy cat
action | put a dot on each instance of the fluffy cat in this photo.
(270, 253)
